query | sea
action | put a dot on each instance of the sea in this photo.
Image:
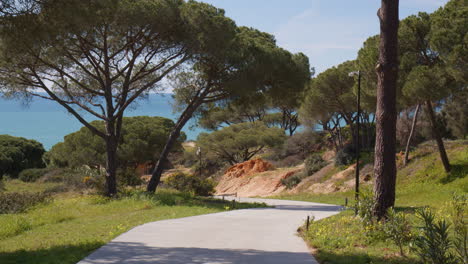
(48, 122)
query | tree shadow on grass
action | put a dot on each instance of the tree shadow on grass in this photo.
(330, 257)
(458, 171)
(54, 255)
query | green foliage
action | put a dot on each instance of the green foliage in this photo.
(365, 207)
(397, 227)
(449, 29)
(302, 144)
(78, 179)
(240, 142)
(366, 61)
(12, 203)
(341, 239)
(314, 163)
(128, 177)
(459, 216)
(143, 138)
(455, 112)
(17, 154)
(294, 180)
(344, 238)
(32, 175)
(433, 245)
(190, 183)
(346, 155)
(330, 92)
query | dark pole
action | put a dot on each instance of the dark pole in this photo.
(357, 141)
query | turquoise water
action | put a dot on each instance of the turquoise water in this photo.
(48, 122)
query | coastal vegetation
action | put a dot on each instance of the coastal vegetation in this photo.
(265, 112)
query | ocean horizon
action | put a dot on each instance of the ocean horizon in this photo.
(48, 122)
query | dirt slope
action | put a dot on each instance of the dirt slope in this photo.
(259, 178)
(254, 178)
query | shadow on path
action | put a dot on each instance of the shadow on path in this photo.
(132, 253)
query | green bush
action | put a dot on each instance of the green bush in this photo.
(141, 138)
(365, 207)
(17, 154)
(76, 179)
(32, 175)
(289, 161)
(11, 203)
(314, 163)
(294, 180)
(189, 183)
(460, 226)
(433, 245)
(128, 177)
(346, 155)
(398, 229)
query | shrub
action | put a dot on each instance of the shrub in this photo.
(294, 180)
(189, 183)
(189, 158)
(289, 161)
(433, 244)
(314, 163)
(302, 144)
(19, 202)
(32, 175)
(141, 138)
(459, 216)
(240, 142)
(365, 207)
(75, 179)
(346, 155)
(17, 154)
(398, 228)
(128, 177)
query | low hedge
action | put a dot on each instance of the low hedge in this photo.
(11, 203)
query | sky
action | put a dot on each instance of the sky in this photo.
(329, 32)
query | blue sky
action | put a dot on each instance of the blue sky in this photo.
(328, 31)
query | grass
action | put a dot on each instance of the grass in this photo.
(72, 226)
(20, 186)
(342, 238)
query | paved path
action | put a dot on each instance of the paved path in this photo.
(252, 236)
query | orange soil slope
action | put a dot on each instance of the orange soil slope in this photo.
(267, 181)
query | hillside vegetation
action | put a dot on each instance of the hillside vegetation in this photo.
(422, 183)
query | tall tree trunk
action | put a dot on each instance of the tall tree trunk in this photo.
(111, 165)
(387, 74)
(158, 169)
(437, 137)
(413, 126)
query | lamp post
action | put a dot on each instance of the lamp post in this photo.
(358, 123)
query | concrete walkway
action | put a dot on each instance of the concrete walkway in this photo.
(252, 236)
